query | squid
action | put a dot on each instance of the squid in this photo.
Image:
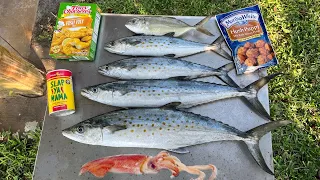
(143, 164)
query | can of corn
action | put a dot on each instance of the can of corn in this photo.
(60, 92)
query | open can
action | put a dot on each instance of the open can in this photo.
(60, 92)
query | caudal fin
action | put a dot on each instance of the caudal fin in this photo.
(254, 135)
(252, 101)
(199, 26)
(224, 74)
(216, 46)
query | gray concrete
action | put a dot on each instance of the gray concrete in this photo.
(61, 158)
(16, 26)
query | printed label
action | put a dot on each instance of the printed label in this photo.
(247, 37)
(60, 91)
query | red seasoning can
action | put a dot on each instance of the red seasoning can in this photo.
(60, 92)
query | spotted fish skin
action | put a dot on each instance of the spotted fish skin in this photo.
(157, 93)
(158, 68)
(165, 129)
(151, 128)
(162, 46)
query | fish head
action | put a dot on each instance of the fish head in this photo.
(137, 25)
(99, 93)
(120, 46)
(85, 132)
(105, 70)
(111, 70)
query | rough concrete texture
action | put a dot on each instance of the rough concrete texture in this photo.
(62, 158)
(16, 25)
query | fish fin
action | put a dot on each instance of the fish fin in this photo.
(114, 128)
(172, 105)
(170, 55)
(170, 34)
(253, 102)
(97, 167)
(199, 26)
(253, 136)
(130, 67)
(180, 78)
(181, 150)
(135, 43)
(216, 47)
(224, 74)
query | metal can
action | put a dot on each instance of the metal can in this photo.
(60, 92)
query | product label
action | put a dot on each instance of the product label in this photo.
(75, 27)
(246, 35)
(60, 91)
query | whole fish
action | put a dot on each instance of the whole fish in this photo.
(165, 129)
(159, 25)
(157, 93)
(163, 68)
(162, 46)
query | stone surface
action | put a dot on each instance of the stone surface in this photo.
(16, 25)
(62, 158)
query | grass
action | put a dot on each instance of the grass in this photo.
(294, 28)
(17, 155)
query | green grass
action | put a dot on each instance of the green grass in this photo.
(293, 26)
(17, 155)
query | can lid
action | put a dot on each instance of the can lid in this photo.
(58, 72)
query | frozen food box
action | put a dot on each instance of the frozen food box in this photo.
(246, 35)
(76, 32)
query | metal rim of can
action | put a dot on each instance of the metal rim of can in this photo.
(57, 70)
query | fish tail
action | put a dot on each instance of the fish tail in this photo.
(252, 141)
(199, 26)
(253, 101)
(224, 74)
(216, 47)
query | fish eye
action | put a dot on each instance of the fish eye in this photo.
(80, 129)
(134, 20)
(106, 67)
(95, 90)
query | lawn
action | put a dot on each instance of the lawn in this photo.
(293, 26)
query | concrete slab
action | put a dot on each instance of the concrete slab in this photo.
(61, 158)
(16, 25)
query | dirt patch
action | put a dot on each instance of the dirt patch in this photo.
(45, 21)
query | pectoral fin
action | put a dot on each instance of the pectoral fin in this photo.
(170, 55)
(170, 34)
(172, 105)
(114, 128)
(182, 150)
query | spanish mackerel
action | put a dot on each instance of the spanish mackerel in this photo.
(160, 25)
(165, 129)
(163, 68)
(163, 46)
(157, 93)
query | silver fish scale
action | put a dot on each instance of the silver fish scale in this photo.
(157, 93)
(155, 46)
(156, 68)
(172, 22)
(162, 128)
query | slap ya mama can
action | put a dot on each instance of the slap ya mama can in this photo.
(60, 92)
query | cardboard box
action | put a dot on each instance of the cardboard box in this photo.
(76, 32)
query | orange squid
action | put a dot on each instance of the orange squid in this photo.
(143, 164)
